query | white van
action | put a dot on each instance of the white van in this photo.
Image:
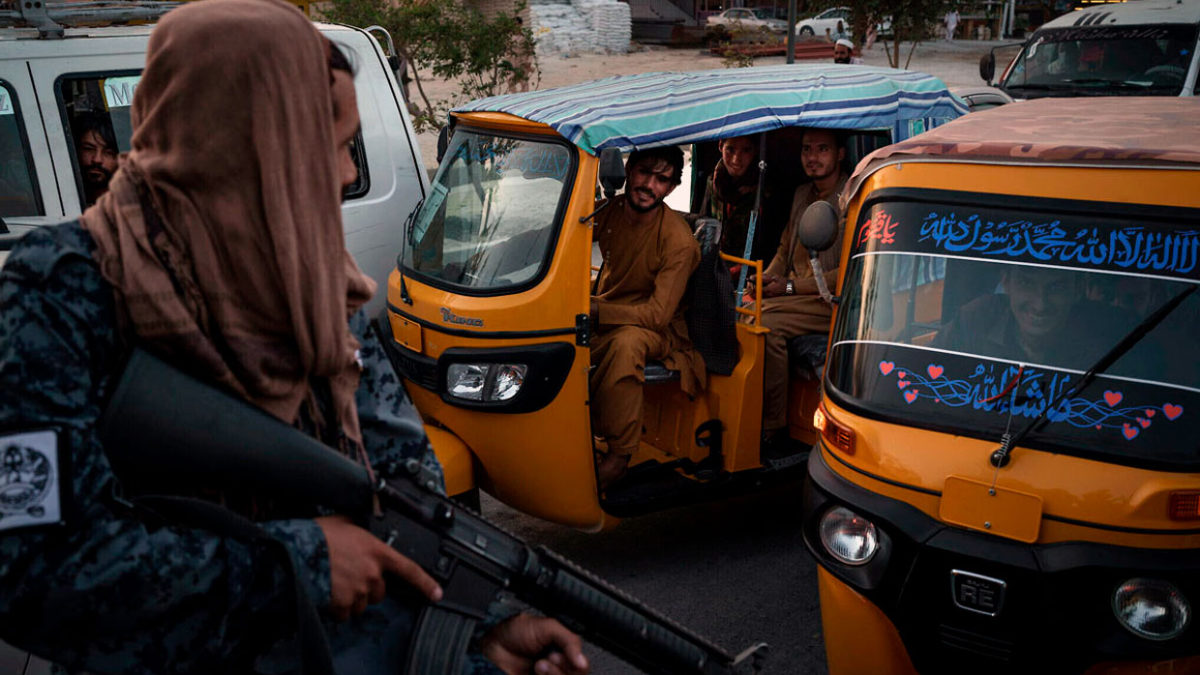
(1139, 48)
(52, 88)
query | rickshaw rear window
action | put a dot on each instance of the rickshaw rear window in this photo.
(952, 317)
(491, 216)
(18, 186)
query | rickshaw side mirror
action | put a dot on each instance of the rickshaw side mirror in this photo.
(612, 171)
(443, 142)
(818, 227)
(987, 66)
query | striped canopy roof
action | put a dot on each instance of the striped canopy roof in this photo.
(653, 109)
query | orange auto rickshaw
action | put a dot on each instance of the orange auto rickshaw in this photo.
(487, 312)
(1008, 475)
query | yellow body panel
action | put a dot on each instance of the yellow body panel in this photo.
(859, 638)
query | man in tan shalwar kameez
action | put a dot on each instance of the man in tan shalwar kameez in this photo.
(792, 306)
(649, 254)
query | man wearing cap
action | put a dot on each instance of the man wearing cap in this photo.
(843, 50)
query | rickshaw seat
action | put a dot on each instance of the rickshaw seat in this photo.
(806, 356)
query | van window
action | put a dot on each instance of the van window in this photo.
(491, 216)
(1106, 60)
(944, 307)
(18, 186)
(96, 115)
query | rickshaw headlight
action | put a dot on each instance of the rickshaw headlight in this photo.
(509, 379)
(467, 380)
(485, 381)
(848, 536)
(1151, 609)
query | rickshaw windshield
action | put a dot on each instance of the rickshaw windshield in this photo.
(491, 216)
(954, 317)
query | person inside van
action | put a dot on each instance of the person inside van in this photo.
(792, 305)
(96, 149)
(649, 255)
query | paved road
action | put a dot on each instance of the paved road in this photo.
(735, 571)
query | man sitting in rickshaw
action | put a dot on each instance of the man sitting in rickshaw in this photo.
(792, 305)
(732, 193)
(649, 254)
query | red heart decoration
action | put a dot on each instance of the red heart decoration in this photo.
(885, 367)
(1112, 398)
(902, 375)
(910, 395)
(903, 383)
(1150, 412)
(1172, 411)
(1130, 432)
(934, 371)
(1098, 427)
(1143, 421)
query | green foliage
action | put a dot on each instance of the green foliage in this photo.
(912, 21)
(485, 55)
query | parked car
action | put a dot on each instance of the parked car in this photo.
(53, 84)
(1145, 48)
(745, 18)
(834, 18)
(831, 18)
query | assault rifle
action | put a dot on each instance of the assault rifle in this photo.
(171, 429)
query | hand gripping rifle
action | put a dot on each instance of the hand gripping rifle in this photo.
(167, 427)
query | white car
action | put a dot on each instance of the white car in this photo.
(830, 18)
(745, 18)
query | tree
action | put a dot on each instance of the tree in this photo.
(486, 55)
(910, 20)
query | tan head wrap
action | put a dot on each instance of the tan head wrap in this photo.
(237, 267)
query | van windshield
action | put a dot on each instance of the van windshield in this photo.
(1104, 60)
(945, 306)
(490, 219)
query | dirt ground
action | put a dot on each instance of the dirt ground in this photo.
(956, 63)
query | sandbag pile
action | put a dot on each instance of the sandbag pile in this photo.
(569, 27)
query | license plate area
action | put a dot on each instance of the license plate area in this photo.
(996, 510)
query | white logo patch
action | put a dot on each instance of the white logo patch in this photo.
(29, 480)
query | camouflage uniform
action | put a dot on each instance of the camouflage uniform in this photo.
(109, 593)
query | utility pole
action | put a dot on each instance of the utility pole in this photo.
(791, 36)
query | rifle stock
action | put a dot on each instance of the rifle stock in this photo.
(166, 428)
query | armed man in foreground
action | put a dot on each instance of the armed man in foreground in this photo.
(219, 248)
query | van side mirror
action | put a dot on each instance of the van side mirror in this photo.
(818, 227)
(612, 171)
(987, 66)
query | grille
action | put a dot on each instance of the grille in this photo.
(419, 369)
(975, 643)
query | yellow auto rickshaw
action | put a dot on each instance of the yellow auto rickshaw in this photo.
(487, 312)
(1008, 476)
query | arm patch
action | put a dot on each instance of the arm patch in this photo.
(31, 473)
